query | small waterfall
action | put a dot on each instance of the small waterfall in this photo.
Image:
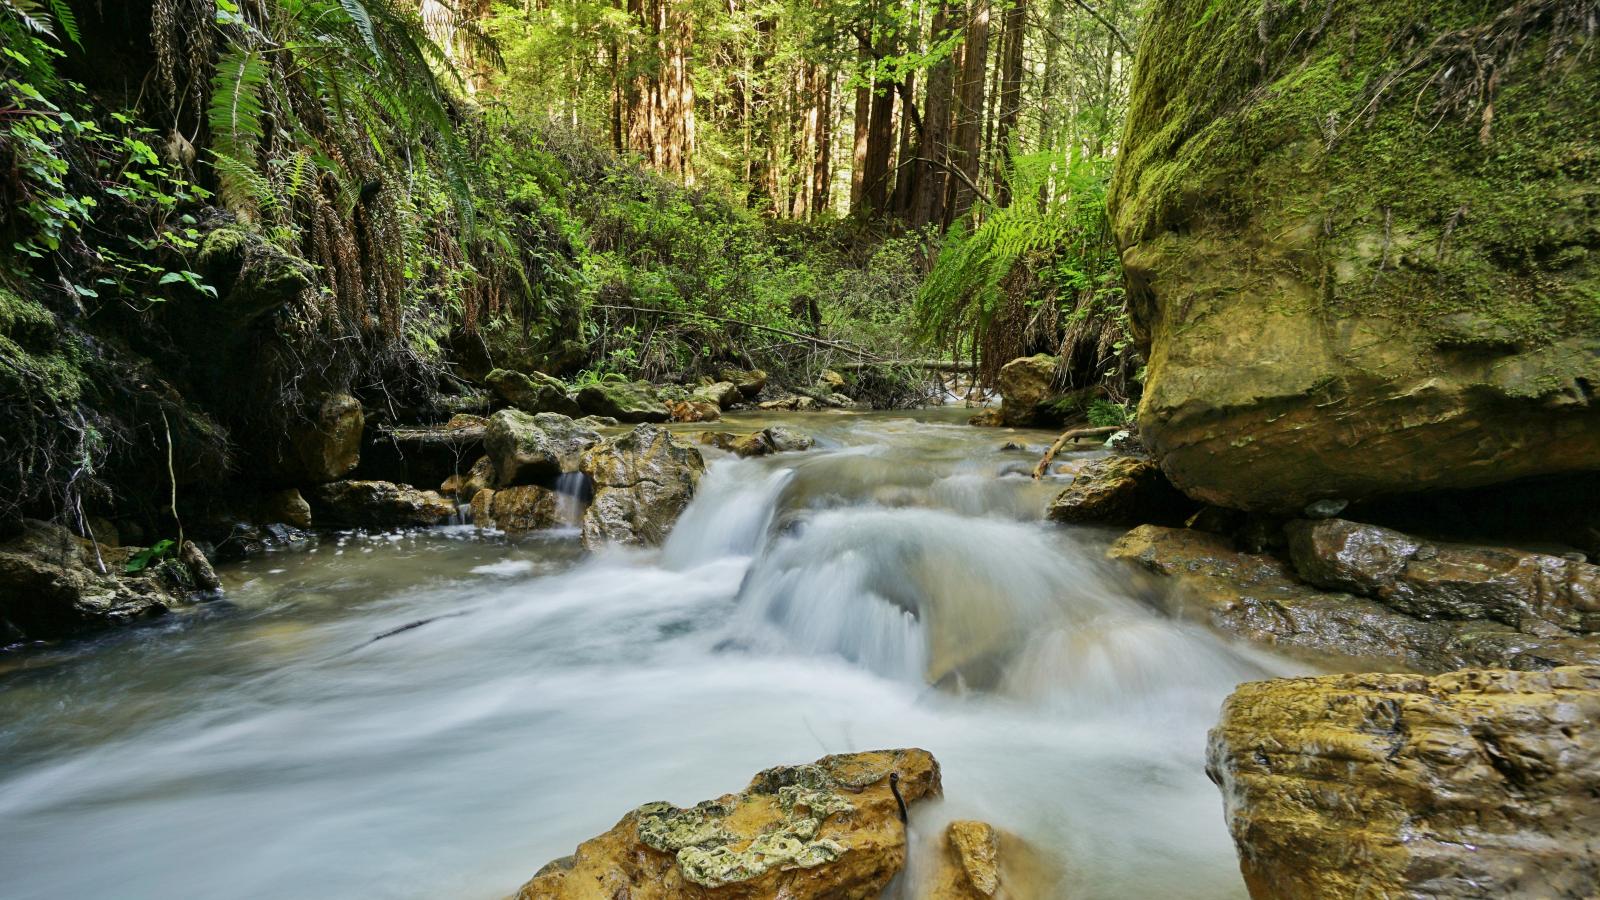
(572, 495)
(730, 516)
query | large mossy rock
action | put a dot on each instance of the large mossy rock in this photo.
(378, 504)
(1027, 389)
(1258, 598)
(829, 829)
(527, 449)
(1469, 784)
(533, 392)
(1343, 288)
(642, 482)
(625, 401)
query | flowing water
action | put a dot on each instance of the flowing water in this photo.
(893, 587)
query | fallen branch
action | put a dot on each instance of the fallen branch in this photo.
(1074, 434)
(926, 365)
(862, 354)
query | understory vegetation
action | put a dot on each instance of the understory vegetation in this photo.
(216, 212)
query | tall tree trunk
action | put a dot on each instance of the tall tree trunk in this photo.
(863, 116)
(967, 152)
(934, 149)
(822, 165)
(1010, 100)
(880, 147)
(905, 170)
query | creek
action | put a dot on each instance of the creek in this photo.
(893, 587)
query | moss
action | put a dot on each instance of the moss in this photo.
(1258, 120)
(36, 360)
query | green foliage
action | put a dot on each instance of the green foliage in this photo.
(147, 557)
(1037, 274)
(1104, 413)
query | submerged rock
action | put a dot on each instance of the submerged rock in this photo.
(532, 392)
(378, 504)
(625, 401)
(527, 448)
(642, 481)
(54, 584)
(1338, 296)
(1469, 784)
(1258, 598)
(1121, 490)
(830, 829)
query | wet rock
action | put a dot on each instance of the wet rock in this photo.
(625, 401)
(1025, 385)
(532, 392)
(1447, 581)
(987, 418)
(326, 445)
(750, 383)
(1256, 597)
(1325, 509)
(970, 869)
(786, 440)
(287, 506)
(831, 381)
(466, 485)
(642, 481)
(830, 829)
(1121, 490)
(378, 504)
(523, 508)
(482, 508)
(723, 393)
(1468, 784)
(598, 422)
(200, 571)
(527, 448)
(54, 584)
(695, 411)
(776, 439)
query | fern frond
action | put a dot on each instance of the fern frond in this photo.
(68, 21)
(31, 14)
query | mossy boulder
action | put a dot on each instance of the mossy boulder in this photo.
(532, 392)
(325, 443)
(528, 449)
(625, 401)
(829, 829)
(1121, 490)
(1349, 276)
(54, 584)
(378, 504)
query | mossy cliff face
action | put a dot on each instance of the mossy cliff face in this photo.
(1346, 289)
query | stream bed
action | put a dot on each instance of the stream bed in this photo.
(893, 587)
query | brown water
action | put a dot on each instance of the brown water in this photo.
(894, 587)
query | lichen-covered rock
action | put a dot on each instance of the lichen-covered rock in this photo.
(695, 411)
(1468, 784)
(532, 392)
(1027, 386)
(1447, 581)
(749, 382)
(787, 440)
(1257, 597)
(326, 444)
(1121, 490)
(723, 393)
(54, 584)
(776, 439)
(526, 449)
(523, 508)
(1336, 293)
(466, 485)
(830, 829)
(625, 401)
(378, 504)
(970, 868)
(642, 481)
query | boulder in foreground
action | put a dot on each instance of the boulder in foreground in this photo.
(1121, 490)
(1469, 784)
(830, 829)
(642, 481)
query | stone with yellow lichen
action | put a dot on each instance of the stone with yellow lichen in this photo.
(826, 829)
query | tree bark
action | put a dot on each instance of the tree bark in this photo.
(966, 154)
(1010, 99)
(934, 149)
